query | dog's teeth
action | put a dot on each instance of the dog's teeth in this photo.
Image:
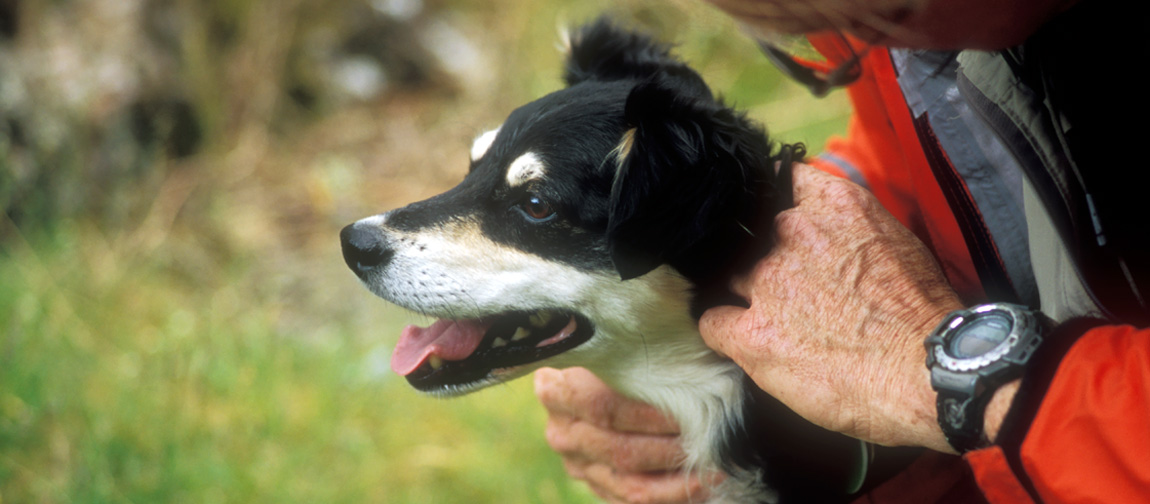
(435, 361)
(498, 343)
(540, 319)
(520, 333)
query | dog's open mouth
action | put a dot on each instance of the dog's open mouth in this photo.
(462, 352)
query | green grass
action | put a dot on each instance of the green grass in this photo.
(124, 381)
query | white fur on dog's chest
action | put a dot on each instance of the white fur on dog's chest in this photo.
(703, 393)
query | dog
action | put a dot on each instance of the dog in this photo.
(592, 229)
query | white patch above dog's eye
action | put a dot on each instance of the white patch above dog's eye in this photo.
(525, 168)
(482, 143)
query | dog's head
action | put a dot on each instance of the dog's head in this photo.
(597, 210)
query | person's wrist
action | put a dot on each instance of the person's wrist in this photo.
(922, 429)
(932, 436)
(998, 407)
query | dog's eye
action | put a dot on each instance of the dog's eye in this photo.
(536, 209)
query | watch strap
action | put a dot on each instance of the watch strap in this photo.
(961, 419)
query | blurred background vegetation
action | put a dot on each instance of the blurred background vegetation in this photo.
(176, 322)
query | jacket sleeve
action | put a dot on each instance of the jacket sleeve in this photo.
(1079, 429)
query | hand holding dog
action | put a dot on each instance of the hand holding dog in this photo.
(839, 311)
(627, 451)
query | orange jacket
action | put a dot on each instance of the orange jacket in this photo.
(1080, 429)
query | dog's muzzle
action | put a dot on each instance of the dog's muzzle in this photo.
(365, 249)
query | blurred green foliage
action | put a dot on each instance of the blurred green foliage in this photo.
(176, 323)
(122, 382)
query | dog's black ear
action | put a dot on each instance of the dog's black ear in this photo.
(695, 179)
(601, 50)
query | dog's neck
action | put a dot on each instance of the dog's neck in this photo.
(672, 369)
(704, 394)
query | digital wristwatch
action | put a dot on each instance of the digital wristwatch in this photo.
(970, 355)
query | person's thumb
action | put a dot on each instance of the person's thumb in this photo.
(718, 326)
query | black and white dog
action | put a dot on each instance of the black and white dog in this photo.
(592, 229)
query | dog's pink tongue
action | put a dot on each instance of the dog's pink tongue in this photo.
(450, 340)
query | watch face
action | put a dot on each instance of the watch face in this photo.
(980, 335)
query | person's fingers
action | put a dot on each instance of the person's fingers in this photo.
(769, 271)
(741, 285)
(720, 329)
(626, 452)
(675, 487)
(577, 393)
(793, 225)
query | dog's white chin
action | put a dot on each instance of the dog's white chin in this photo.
(495, 377)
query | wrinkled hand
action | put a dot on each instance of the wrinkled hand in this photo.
(627, 451)
(839, 312)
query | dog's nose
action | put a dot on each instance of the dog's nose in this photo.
(364, 249)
